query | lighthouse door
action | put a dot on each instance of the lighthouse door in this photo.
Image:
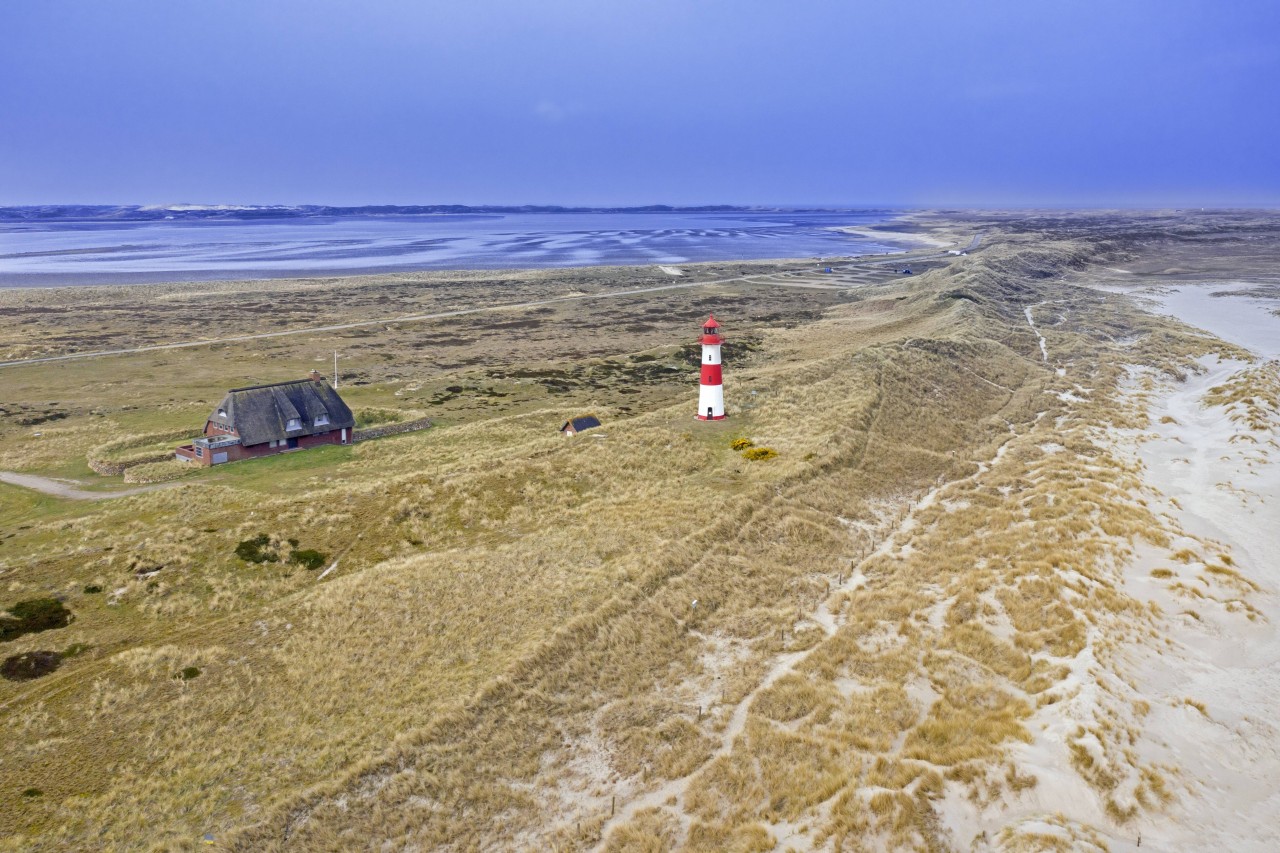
(709, 413)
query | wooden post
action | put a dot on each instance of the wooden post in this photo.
(613, 804)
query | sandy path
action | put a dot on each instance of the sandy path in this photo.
(1044, 346)
(61, 489)
(674, 790)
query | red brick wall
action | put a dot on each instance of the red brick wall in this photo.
(236, 452)
(210, 428)
(265, 449)
(188, 452)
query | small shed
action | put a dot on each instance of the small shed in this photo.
(577, 425)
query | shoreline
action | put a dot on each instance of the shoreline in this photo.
(426, 274)
(902, 228)
(356, 250)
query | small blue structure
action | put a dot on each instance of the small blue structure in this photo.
(577, 425)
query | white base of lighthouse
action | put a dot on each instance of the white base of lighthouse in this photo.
(710, 402)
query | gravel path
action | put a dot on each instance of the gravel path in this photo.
(63, 489)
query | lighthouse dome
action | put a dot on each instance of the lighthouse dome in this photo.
(711, 331)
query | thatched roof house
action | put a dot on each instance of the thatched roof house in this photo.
(264, 419)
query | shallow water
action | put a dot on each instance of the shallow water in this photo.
(61, 252)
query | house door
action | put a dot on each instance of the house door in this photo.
(293, 442)
(344, 436)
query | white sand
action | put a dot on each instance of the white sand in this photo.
(1242, 320)
(1223, 766)
(1227, 492)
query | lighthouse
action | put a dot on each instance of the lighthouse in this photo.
(710, 389)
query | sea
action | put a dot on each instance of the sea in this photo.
(61, 246)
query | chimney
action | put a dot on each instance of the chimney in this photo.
(315, 376)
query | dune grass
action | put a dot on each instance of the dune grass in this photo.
(524, 634)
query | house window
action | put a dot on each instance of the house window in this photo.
(199, 452)
(321, 420)
(293, 423)
(222, 413)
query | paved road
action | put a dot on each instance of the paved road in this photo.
(417, 318)
(61, 489)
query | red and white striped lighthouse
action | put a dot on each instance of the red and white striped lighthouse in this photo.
(710, 389)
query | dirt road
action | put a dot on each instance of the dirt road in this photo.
(64, 489)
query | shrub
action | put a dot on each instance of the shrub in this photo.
(33, 616)
(741, 444)
(30, 665)
(75, 649)
(92, 589)
(257, 550)
(759, 454)
(375, 416)
(309, 558)
(189, 673)
(789, 698)
(32, 792)
(119, 455)
(159, 471)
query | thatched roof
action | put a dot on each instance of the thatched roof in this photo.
(262, 413)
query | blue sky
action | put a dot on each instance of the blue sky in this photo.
(914, 102)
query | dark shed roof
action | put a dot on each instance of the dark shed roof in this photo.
(263, 412)
(579, 424)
